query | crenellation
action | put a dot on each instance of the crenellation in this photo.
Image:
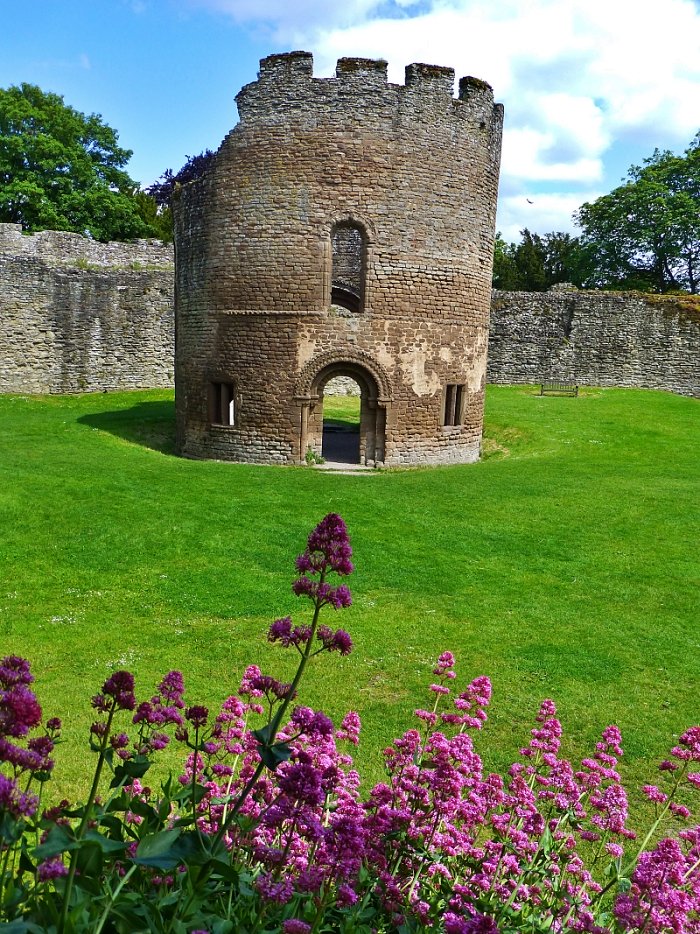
(429, 79)
(286, 66)
(365, 71)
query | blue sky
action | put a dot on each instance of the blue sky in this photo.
(589, 86)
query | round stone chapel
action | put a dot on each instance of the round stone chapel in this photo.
(344, 228)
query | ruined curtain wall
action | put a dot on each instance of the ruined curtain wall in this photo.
(596, 339)
(77, 315)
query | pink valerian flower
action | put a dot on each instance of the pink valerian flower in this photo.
(311, 722)
(688, 748)
(477, 924)
(334, 641)
(546, 738)
(265, 685)
(51, 869)
(439, 689)
(300, 782)
(679, 810)
(661, 898)
(14, 671)
(610, 805)
(230, 726)
(471, 705)
(294, 926)
(14, 800)
(20, 711)
(445, 666)
(163, 709)
(197, 715)
(614, 850)
(328, 550)
(350, 728)
(117, 693)
(283, 632)
(322, 593)
(654, 794)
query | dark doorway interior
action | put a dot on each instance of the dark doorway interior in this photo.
(341, 427)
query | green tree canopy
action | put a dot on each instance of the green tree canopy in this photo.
(538, 262)
(646, 233)
(63, 170)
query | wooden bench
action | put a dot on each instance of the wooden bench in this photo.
(554, 388)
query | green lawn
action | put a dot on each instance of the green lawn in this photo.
(563, 565)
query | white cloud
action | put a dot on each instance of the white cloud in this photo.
(540, 213)
(575, 76)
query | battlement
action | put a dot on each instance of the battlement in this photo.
(286, 81)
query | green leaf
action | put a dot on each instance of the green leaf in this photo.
(158, 850)
(11, 827)
(106, 844)
(272, 756)
(221, 926)
(21, 927)
(59, 840)
(132, 768)
(244, 880)
(263, 734)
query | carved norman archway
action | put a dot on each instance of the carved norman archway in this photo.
(375, 396)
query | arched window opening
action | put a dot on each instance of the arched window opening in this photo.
(348, 247)
(341, 420)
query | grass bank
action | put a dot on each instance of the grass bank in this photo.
(563, 565)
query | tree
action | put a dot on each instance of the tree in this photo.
(63, 170)
(538, 262)
(162, 190)
(646, 233)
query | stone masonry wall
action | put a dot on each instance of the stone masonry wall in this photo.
(596, 338)
(78, 315)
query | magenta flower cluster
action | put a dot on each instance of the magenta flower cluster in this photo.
(447, 846)
(268, 828)
(327, 550)
(27, 760)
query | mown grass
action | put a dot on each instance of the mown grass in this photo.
(563, 565)
(342, 412)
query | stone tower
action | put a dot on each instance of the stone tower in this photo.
(345, 227)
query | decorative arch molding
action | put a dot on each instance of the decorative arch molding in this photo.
(375, 400)
(354, 363)
(355, 219)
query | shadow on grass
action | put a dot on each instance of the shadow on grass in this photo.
(149, 424)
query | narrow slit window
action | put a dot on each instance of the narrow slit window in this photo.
(348, 249)
(222, 404)
(454, 404)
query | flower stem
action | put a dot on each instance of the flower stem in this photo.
(275, 722)
(86, 816)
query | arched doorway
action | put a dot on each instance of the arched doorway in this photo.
(363, 443)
